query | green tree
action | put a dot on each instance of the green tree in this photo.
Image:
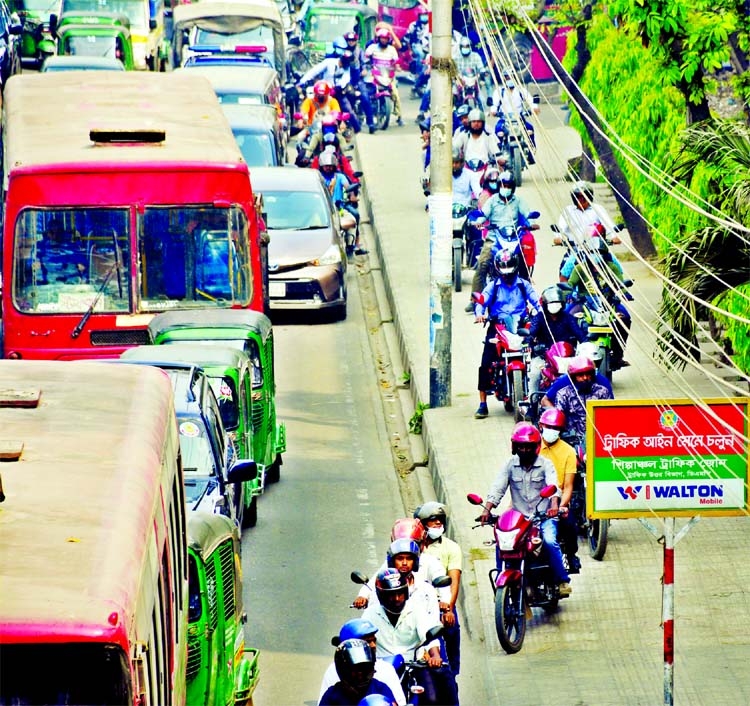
(712, 261)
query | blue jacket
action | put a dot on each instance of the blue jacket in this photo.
(507, 299)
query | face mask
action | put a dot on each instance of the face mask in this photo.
(493, 185)
(550, 435)
(435, 532)
(424, 19)
(554, 308)
(505, 193)
(466, 51)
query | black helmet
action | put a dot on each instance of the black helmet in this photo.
(582, 188)
(390, 584)
(355, 662)
(552, 295)
(490, 180)
(505, 262)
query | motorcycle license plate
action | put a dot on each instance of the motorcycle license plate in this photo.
(277, 290)
(600, 329)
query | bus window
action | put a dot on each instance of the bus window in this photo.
(194, 254)
(65, 258)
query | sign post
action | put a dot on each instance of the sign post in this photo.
(678, 458)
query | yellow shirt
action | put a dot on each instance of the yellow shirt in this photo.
(563, 458)
(447, 551)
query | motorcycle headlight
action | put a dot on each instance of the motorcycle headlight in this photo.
(506, 540)
(332, 256)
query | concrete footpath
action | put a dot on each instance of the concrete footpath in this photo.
(604, 646)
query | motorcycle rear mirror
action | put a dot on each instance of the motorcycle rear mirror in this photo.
(627, 282)
(358, 577)
(475, 499)
(534, 214)
(619, 227)
(433, 633)
(548, 491)
(441, 582)
(358, 174)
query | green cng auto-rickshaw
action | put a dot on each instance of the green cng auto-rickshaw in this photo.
(221, 671)
(251, 332)
(103, 34)
(37, 42)
(326, 21)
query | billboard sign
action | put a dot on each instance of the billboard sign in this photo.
(675, 458)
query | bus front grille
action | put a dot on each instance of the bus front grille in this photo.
(121, 337)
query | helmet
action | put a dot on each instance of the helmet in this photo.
(525, 434)
(465, 46)
(339, 46)
(375, 700)
(508, 181)
(598, 230)
(408, 528)
(432, 510)
(552, 417)
(462, 110)
(390, 585)
(582, 188)
(552, 300)
(505, 262)
(321, 89)
(590, 350)
(581, 364)
(328, 159)
(355, 662)
(351, 37)
(476, 115)
(357, 628)
(383, 33)
(490, 180)
(458, 154)
(403, 546)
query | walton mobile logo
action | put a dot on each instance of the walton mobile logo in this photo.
(629, 492)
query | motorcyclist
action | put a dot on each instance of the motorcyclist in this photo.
(503, 208)
(321, 103)
(402, 625)
(510, 100)
(335, 181)
(576, 220)
(418, 38)
(462, 180)
(563, 457)
(354, 661)
(351, 205)
(526, 472)
(360, 629)
(434, 516)
(479, 146)
(550, 325)
(466, 59)
(358, 71)
(505, 299)
(383, 52)
(461, 120)
(572, 397)
(598, 275)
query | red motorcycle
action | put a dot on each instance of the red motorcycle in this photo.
(556, 357)
(523, 577)
(380, 83)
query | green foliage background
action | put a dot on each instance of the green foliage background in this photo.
(627, 86)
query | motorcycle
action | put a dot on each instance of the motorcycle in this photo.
(379, 82)
(467, 240)
(523, 577)
(574, 248)
(466, 89)
(515, 143)
(509, 374)
(519, 238)
(595, 531)
(349, 217)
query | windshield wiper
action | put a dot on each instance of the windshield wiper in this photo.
(76, 332)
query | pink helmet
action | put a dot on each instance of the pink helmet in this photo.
(552, 417)
(408, 528)
(580, 364)
(525, 433)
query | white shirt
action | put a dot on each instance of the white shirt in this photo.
(384, 671)
(430, 568)
(576, 224)
(511, 101)
(482, 147)
(408, 633)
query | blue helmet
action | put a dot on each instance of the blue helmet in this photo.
(358, 628)
(403, 546)
(339, 46)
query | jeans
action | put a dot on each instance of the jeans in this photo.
(452, 641)
(549, 535)
(535, 372)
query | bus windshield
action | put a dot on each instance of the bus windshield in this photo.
(74, 673)
(327, 26)
(135, 10)
(399, 4)
(93, 45)
(68, 259)
(194, 257)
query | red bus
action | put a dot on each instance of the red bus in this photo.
(126, 195)
(93, 555)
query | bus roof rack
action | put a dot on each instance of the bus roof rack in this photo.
(101, 135)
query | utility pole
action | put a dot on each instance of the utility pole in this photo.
(440, 205)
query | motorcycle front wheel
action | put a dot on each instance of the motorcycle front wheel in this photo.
(385, 106)
(598, 534)
(516, 162)
(510, 617)
(457, 263)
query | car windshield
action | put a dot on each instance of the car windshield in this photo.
(68, 260)
(93, 45)
(257, 148)
(327, 26)
(195, 448)
(295, 210)
(42, 7)
(135, 10)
